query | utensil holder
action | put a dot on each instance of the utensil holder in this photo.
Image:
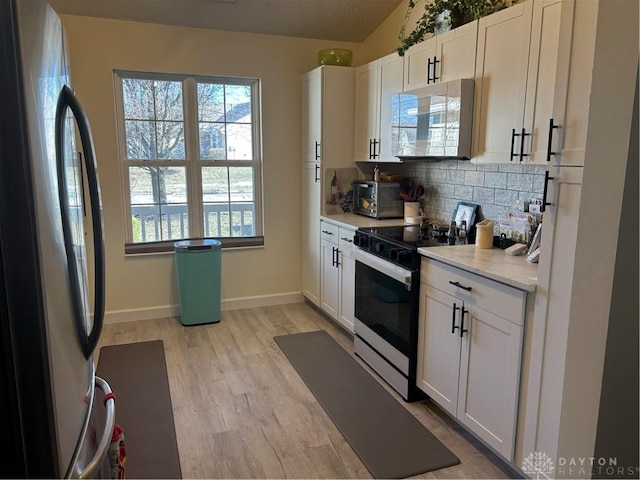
(411, 209)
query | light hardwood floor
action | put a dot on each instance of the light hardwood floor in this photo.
(242, 411)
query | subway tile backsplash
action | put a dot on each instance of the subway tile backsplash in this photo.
(495, 187)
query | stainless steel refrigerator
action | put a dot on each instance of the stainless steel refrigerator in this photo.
(49, 394)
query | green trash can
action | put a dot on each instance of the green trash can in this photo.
(198, 263)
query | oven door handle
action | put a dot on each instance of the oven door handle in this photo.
(394, 271)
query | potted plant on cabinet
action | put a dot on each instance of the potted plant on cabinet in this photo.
(442, 15)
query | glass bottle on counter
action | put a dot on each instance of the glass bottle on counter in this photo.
(334, 188)
(462, 233)
(453, 232)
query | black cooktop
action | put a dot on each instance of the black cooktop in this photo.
(409, 236)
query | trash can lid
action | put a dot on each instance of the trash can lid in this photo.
(197, 245)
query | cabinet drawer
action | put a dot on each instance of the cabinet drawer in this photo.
(345, 239)
(329, 232)
(502, 300)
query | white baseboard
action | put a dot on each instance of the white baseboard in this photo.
(261, 301)
(119, 316)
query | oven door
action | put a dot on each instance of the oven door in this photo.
(386, 308)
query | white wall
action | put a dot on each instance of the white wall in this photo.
(145, 286)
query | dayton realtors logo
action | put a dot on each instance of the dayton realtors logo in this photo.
(538, 465)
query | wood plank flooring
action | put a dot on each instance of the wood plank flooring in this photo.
(242, 411)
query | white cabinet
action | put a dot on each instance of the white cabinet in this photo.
(469, 350)
(521, 80)
(337, 273)
(327, 144)
(448, 56)
(311, 232)
(378, 86)
(347, 267)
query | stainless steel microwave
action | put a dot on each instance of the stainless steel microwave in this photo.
(377, 200)
(436, 121)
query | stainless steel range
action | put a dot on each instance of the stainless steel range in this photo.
(386, 305)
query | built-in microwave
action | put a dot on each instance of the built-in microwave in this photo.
(377, 199)
(436, 121)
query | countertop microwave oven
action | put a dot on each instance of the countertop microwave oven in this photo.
(377, 199)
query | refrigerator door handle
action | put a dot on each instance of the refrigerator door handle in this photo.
(110, 419)
(67, 99)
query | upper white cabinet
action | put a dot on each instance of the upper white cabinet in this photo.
(378, 85)
(448, 56)
(521, 81)
(327, 116)
(327, 145)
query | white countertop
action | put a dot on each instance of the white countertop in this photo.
(353, 220)
(492, 263)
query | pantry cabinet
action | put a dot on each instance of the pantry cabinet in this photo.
(327, 145)
(448, 56)
(337, 273)
(378, 86)
(521, 81)
(469, 350)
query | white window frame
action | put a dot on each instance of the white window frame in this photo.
(192, 161)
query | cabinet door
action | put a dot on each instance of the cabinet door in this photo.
(312, 116)
(542, 77)
(456, 53)
(490, 378)
(311, 232)
(346, 312)
(390, 69)
(347, 290)
(415, 63)
(439, 348)
(367, 111)
(501, 76)
(555, 284)
(329, 279)
(338, 105)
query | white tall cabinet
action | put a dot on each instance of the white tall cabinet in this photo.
(378, 85)
(327, 144)
(584, 193)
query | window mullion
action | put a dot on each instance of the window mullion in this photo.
(194, 172)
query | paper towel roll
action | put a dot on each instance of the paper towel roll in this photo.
(484, 234)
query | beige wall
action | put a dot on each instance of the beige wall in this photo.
(145, 286)
(384, 40)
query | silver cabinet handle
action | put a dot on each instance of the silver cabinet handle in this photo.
(110, 418)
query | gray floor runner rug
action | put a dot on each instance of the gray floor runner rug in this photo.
(137, 374)
(390, 441)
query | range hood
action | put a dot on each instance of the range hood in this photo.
(435, 121)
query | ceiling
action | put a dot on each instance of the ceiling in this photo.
(338, 20)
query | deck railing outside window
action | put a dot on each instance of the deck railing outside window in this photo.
(172, 222)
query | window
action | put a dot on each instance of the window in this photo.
(191, 153)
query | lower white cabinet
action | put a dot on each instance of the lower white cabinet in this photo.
(337, 285)
(469, 357)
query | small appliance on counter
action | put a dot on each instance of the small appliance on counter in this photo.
(377, 200)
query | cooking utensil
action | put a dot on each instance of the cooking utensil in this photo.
(405, 197)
